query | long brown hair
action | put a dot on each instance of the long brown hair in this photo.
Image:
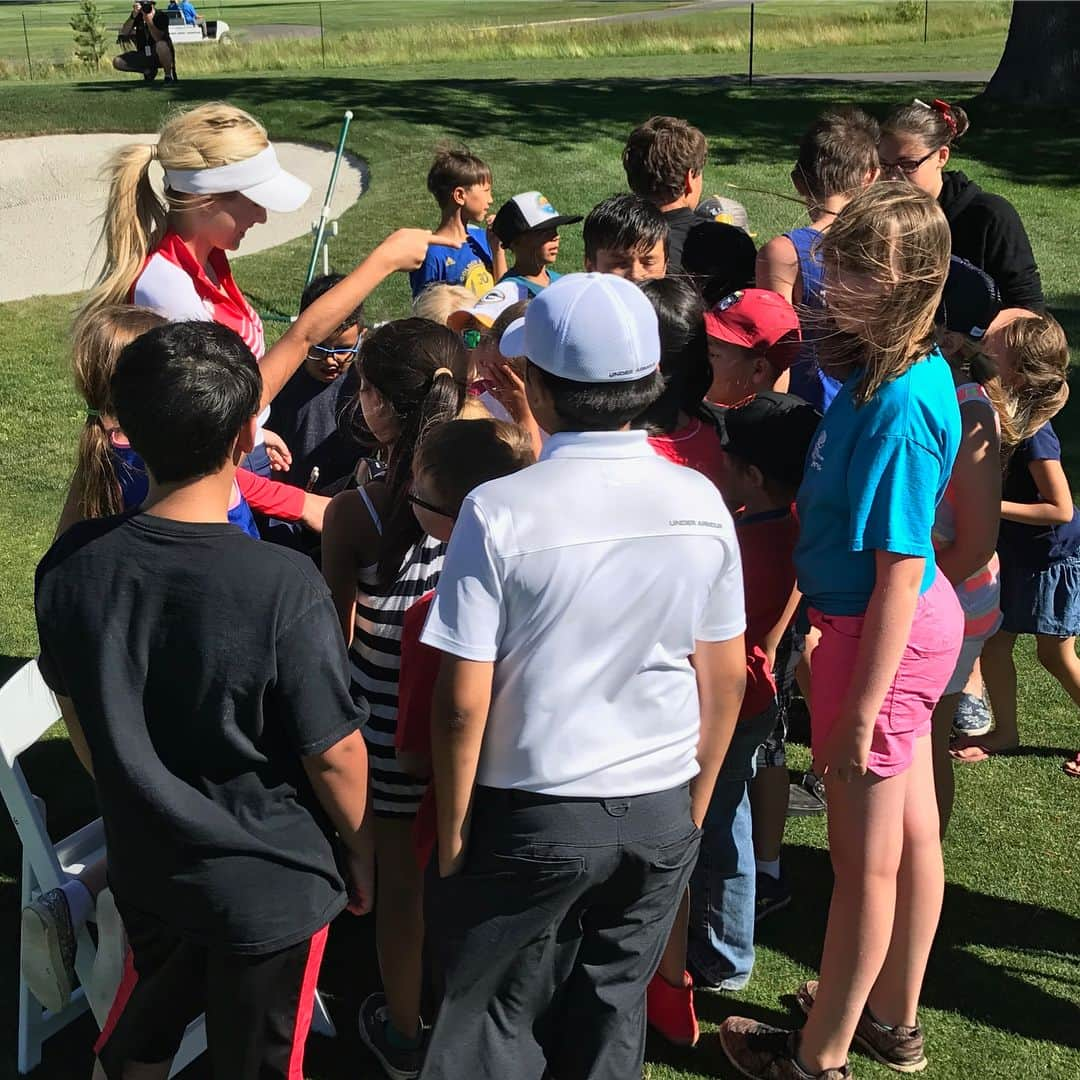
(897, 236)
(97, 341)
(1037, 388)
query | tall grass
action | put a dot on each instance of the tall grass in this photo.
(720, 33)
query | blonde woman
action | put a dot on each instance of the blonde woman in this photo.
(891, 630)
(221, 177)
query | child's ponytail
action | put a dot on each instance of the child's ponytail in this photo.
(97, 341)
(420, 368)
(134, 221)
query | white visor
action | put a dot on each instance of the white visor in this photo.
(260, 178)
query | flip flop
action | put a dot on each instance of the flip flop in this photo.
(1072, 768)
(970, 751)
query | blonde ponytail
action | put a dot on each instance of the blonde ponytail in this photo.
(136, 218)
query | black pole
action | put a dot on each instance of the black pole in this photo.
(925, 21)
(322, 37)
(750, 67)
(26, 38)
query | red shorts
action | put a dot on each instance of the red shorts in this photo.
(937, 632)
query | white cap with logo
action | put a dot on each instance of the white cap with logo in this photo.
(590, 328)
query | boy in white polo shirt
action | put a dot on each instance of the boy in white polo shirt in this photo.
(591, 616)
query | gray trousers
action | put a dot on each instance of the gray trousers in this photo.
(549, 935)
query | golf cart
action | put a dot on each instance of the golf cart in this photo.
(205, 32)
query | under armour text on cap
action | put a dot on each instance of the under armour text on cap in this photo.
(970, 301)
(588, 328)
(260, 178)
(526, 212)
(757, 319)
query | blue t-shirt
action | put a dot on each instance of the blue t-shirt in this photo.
(470, 265)
(526, 289)
(1034, 546)
(874, 477)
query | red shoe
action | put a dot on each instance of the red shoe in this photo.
(670, 1010)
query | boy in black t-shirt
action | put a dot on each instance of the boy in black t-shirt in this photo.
(204, 682)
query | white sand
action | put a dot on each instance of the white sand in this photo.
(52, 198)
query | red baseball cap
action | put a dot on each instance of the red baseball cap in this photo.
(757, 319)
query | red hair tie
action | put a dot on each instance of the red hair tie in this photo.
(945, 109)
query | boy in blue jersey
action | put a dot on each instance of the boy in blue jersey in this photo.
(462, 252)
(529, 226)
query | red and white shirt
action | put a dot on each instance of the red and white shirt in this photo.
(173, 283)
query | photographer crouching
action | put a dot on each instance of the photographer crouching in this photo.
(148, 31)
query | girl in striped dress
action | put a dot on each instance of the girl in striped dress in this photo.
(377, 562)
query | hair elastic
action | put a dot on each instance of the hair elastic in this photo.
(93, 414)
(945, 109)
(441, 371)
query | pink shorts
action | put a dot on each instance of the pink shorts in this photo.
(937, 633)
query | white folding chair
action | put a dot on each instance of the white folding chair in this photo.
(28, 709)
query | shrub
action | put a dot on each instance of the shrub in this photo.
(89, 30)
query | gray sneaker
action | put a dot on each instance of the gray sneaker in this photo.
(48, 949)
(396, 1063)
(972, 716)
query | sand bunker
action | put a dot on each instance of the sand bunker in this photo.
(52, 198)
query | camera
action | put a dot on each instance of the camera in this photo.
(146, 8)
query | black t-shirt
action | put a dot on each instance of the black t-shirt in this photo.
(203, 665)
(141, 36)
(679, 223)
(306, 414)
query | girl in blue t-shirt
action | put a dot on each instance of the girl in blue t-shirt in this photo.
(1039, 541)
(891, 629)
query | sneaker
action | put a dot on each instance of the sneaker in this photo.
(806, 798)
(763, 1052)
(398, 1064)
(770, 895)
(670, 1010)
(48, 949)
(900, 1048)
(972, 716)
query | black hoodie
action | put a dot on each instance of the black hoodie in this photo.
(987, 231)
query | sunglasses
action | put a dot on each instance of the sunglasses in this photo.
(342, 356)
(904, 165)
(430, 507)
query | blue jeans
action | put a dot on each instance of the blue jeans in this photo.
(721, 939)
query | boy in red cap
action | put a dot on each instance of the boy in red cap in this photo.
(753, 337)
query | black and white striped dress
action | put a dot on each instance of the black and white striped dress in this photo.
(375, 658)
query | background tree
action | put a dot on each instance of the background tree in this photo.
(90, 43)
(1041, 61)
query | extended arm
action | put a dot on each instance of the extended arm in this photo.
(1057, 507)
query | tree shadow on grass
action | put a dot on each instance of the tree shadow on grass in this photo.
(746, 124)
(957, 980)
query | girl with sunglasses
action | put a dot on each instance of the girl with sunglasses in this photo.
(916, 143)
(377, 560)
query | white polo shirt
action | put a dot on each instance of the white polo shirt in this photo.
(587, 578)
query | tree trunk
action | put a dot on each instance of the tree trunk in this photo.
(1041, 61)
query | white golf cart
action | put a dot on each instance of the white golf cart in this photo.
(204, 32)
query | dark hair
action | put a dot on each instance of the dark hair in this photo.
(400, 359)
(452, 168)
(499, 327)
(624, 223)
(463, 454)
(684, 356)
(836, 152)
(721, 259)
(323, 284)
(181, 393)
(605, 406)
(939, 124)
(659, 154)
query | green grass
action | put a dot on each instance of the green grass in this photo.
(789, 37)
(1002, 988)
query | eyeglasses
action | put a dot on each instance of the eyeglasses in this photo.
(342, 356)
(431, 507)
(472, 338)
(904, 165)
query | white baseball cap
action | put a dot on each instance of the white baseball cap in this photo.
(486, 310)
(589, 328)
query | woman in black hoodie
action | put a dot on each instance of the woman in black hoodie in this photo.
(916, 141)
